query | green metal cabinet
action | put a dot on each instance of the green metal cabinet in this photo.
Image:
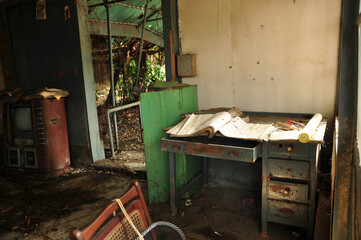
(160, 110)
(289, 171)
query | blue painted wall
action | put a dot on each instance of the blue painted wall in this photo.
(46, 53)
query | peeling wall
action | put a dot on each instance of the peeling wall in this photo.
(263, 55)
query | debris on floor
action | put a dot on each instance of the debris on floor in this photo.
(50, 209)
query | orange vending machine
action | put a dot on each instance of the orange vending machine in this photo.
(37, 143)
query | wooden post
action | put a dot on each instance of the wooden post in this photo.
(346, 110)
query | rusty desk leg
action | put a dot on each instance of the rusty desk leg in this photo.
(205, 171)
(172, 182)
(264, 218)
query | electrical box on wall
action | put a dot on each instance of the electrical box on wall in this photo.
(186, 65)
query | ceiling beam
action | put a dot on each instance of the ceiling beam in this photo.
(99, 27)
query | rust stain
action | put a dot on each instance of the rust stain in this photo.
(236, 154)
(286, 210)
(195, 149)
(61, 73)
(290, 169)
(279, 166)
(213, 150)
(177, 147)
(276, 188)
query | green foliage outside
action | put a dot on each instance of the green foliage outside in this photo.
(125, 58)
(153, 71)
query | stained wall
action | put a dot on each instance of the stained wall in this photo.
(263, 55)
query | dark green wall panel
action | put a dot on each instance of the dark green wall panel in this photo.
(47, 53)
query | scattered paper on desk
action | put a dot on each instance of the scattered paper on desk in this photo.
(259, 128)
(194, 125)
(237, 128)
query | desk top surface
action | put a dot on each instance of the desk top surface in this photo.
(262, 128)
(275, 134)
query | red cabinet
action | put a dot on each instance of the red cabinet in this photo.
(37, 138)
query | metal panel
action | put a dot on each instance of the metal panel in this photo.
(233, 174)
(160, 110)
(56, 135)
(288, 191)
(30, 158)
(13, 157)
(289, 150)
(186, 65)
(284, 211)
(289, 169)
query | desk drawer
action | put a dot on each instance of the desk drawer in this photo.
(292, 150)
(289, 169)
(285, 211)
(288, 191)
(231, 149)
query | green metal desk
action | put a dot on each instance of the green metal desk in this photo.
(289, 173)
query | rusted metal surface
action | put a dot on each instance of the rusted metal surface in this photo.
(349, 53)
(289, 184)
(285, 211)
(171, 49)
(288, 191)
(290, 169)
(289, 150)
(243, 153)
(114, 110)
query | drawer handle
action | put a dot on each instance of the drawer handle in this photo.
(289, 148)
(287, 191)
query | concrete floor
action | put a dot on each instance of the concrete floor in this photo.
(51, 209)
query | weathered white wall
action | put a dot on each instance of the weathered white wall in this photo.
(263, 55)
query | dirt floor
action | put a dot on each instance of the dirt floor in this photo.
(51, 209)
(130, 154)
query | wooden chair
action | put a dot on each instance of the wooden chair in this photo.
(106, 226)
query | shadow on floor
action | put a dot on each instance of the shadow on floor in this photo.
(51, 209)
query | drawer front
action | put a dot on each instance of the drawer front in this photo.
(293, 150)
(289, 169)
(243, 152)
(288, 191)
(283, 211)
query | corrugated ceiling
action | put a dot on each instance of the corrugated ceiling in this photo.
(130, 12)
